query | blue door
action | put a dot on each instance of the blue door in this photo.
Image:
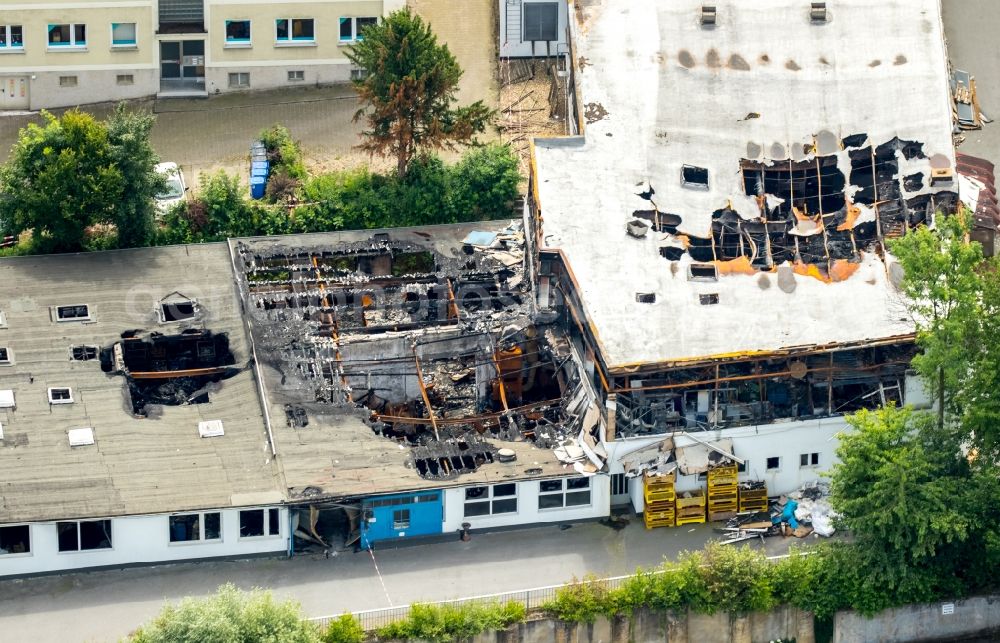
(401, 516)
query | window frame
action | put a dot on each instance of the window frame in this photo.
(164, 306)
(266, 523)
(524, 20)
(125, 44)
(201, 539)
(7, 46)
(776, 467)
(490, 499)
(296, 75)
(290, 40)
(401, 522)
(18, 554)
(71, 81)
(238, 75)
(73, 44)
(565, 491)
(809, 460)
(79, 544)
(6, 356)
(59, 318)
(236, 43)
(355, 34)
(60, 400)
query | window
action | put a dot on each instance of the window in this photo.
(491, 500)
(125, 79)
(708, 300)
(773, 463)
(11, 37)
(83, 353)
(84, 535)
(619, 484)
(5, 357)
(195, 527)
(71, 35)
(78, 312)
(237, 32)
(255, 523)
(351, 29)
(645, 297)
(694, 177)
(239, 79)
(541, 21)
(808, 459)
(565, 492)
(67, 81)
(702, 272)
(179, 310)
(401, 519)
(60, 395)
(296, 75)
(15, 539)
(289, 30)
(123, 34)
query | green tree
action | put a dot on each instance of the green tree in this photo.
(232, 616)
(915, 506)
(133, 155)
(409, 91)
(60, 179)
(944, 288)
(73, 173)
(485, 183)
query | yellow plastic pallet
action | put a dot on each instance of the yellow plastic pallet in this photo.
(690, 520)
(715, 516)
(694, 501)
(725, 475)
(658, 495)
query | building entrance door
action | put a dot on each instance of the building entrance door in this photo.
(14, 92)
(182, 65)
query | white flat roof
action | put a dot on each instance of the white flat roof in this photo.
(659, 91)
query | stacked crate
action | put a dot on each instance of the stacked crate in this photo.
(722, 493)
(691, 510)
(753, 499)
(658, 495)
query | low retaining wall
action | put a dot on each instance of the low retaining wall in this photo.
(646, 625)
(933, 622)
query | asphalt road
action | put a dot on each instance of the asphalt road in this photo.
(106, 605)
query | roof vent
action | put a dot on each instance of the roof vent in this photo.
(7, 399)
(817, 14)
(708, 15)
(81, 437)
(694, 177)
(637, 228)
(210, 429)
(645, 297)
(709, 299)
(702, 272)
(941, 175)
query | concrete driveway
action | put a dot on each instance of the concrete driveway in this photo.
(971, 27)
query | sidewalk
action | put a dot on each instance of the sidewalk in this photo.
(103, 606)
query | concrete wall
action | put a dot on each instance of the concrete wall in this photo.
(528, 512)
(139, 539)
(645, 625)
(973, 616)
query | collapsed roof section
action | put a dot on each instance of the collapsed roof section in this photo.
(424, 336)
(749, 172)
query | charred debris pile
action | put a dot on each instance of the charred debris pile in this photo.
(431, 340)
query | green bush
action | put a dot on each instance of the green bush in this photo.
(230, 615)
(485, 183)
(283, 151)
(346, 629)
(580, 602)
(442, 623)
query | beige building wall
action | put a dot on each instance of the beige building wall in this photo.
(58, 76)
(39, 75)
(267, 60)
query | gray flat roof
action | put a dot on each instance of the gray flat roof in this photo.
(136, 466)
(659, 91)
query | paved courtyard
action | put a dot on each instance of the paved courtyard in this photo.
(105, 605)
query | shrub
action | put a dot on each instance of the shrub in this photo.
(485, 183)
(230, 615)
(442, 623)
(345, 629)
(580, 602)
(283, 151)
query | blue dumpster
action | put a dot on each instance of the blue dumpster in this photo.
(257, 186)
(260, 168)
